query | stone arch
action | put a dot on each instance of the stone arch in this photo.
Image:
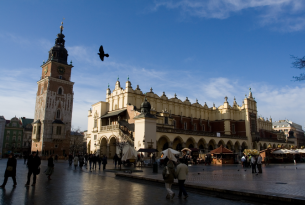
(60, 90)
(202, 145)
(103, 146)
(230, 145)
(244, 146)
(211, 145)
(221, 142)
(163, 143)
(265, 146)
(273, 146)
(89, 147)
(236, 147)
(254, 145)
(190, 143)
(112, 146)
(178, 143)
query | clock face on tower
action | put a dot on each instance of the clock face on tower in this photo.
(46, 70)
(60, 70)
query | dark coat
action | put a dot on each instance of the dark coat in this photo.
(104, 160)
(13, 163)
(33, 162)
(172, 175)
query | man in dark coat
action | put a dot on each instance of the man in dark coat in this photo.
(33, 165)
(94, 160)
(10, 170)
(104, 162)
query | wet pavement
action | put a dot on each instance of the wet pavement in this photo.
(69, 186)
(282, 179)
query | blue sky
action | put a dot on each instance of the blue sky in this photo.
(205, 49)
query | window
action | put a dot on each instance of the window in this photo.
(60, 77)
(166, 120)
(7, 138)
(34, 130)
(286, 130)
(8, 132)
(7, 145)
(58, 130)
(59, 91)
(14, 138)
(14, 124)
(274, 126)
(95, 122)
(56, 146)
(203, 128)
(18, 145)
(24, 144)
(185, 125)
(95, 136)
(58, 114)
(233, 128)
(19, 138)
(174, 123)
(195, 127)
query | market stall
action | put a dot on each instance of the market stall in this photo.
(222, 155)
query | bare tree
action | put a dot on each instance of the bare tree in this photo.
(298, 63)
(77, 145)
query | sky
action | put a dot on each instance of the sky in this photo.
(200, 49)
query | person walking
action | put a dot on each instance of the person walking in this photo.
(10, 171)
(94, 159)
(99, 161)
(259, 164)
(75, 160)
(115, 159)
(81, 161)
(90, 161)
(169, 176)
(181, 173)
(104, 162)
(253, 164)
(33, 166)
(49, 171)
(243, 161)
(25, 157)
(56, 158)
(70, 159)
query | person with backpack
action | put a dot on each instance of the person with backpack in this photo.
(169, 176)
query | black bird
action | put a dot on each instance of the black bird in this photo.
(238, 170)
(102, 53)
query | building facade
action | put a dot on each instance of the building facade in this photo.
(27, 134)
(13, 137)
(176, 123)
(291, 130)
(54, 102)
(2, 128)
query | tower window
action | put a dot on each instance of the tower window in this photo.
(203, 128)
(166, 120)
(58, 130)
(233, 128)
(59, 91)
(58, 114)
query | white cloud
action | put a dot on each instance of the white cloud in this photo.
(285, 15)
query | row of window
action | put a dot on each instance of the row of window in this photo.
(7, 145)
(14, 132)
(203, 127)
(58, 130)
(13, 138)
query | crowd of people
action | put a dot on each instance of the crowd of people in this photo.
(255, 162)
(92, 160)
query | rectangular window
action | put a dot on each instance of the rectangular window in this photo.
(233, 129)
(60, 77)
(19, 138)
(166, 120)
(195, 127)
(7, 138)
(185, 126)
(34, 130)
(58, 130)
(95, 136)
(203, 128)
(14, 124)
(14, 138)
(8, 132)
(95, 123)
(174, 123)
(18, 145)
(7, 145)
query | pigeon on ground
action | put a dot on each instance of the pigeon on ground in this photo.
(198, 173)
(102, 53)
(237, 170)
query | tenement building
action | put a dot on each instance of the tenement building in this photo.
(54, 102)
(151, 121)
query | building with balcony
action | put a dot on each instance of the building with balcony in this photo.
(291, 130)
(141, 120)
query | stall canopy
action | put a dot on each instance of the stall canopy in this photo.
(281, 151)
(170, 154)
(221, 150)
(129, 154)
(147, 150)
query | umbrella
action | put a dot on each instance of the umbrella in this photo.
(170, 155)
(280, 151)
(186, 149)
(301, 151)
(172, 151)
(129, 154)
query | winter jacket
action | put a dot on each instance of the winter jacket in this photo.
(33, 162)
(12, 162)
(171, 176)
(182, 171)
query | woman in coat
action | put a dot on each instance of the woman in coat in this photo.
(75, 160)
(104, 162)
(10, 170)
(169, 176)
(50, 168)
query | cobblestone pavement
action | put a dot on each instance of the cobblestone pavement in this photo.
(285, 179)
(69, 186)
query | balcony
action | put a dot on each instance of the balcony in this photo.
(110, 128)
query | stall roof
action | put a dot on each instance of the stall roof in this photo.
(221, 150)
(110, 114)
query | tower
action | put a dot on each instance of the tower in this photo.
(54, 102)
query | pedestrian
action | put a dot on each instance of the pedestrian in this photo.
(169, 176)
(10, 171)
(56, 158)
(153, 158)
(181, 173)
(142, 160)
(253, 164)
(99, 161)
(259, 163)
(104, 162)
(49, 171)
(70, 159)
(33, 166)
(139, 158)
(81, 161)
(119, 162)
(94, 159)
(25, 157)
(90, 161)
(75, 160)
(243, 161)
(86, 160)
(115, 159)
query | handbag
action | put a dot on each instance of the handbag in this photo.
(9, 168)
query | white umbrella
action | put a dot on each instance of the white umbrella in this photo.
(129, 154)
(172, 150)
(170, 154)
(280, 151)
(301, 150)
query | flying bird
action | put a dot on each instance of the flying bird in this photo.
(102, 54)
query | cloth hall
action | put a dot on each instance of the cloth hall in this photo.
(151, 121)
